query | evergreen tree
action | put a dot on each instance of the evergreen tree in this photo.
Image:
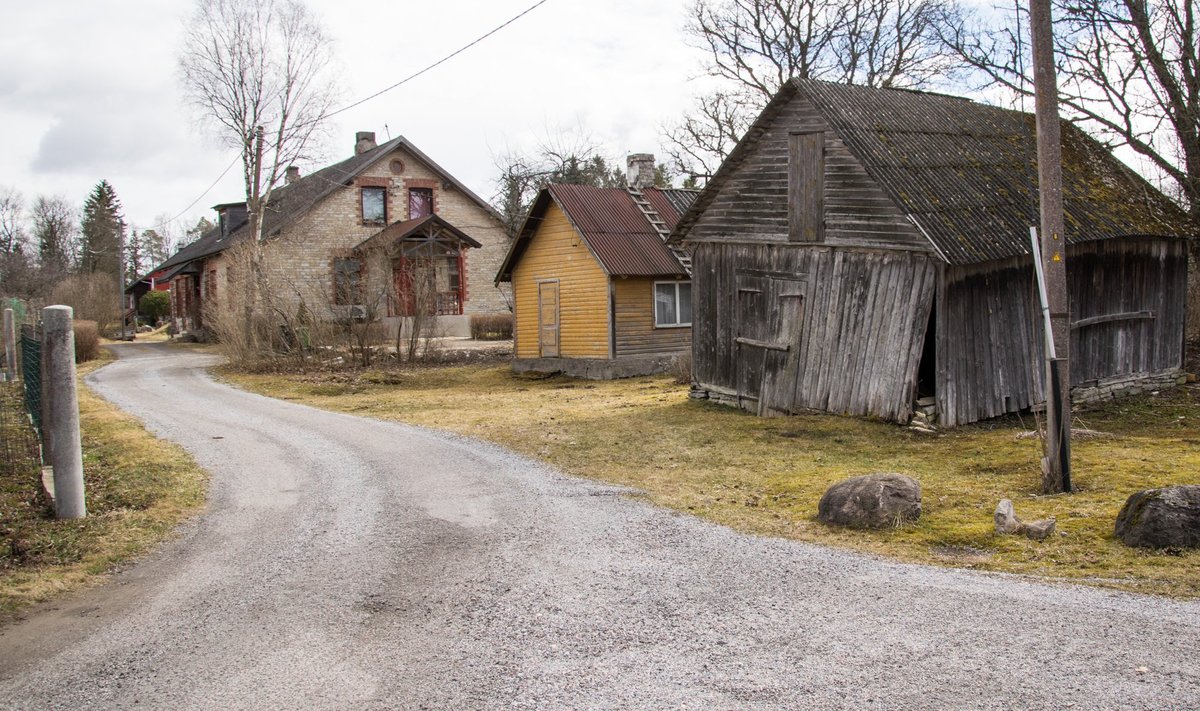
(155, 247)
(135, 254)
(102, 229)
(202, 225)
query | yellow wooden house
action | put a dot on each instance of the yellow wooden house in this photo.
(597, 293)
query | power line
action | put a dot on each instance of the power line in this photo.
(377, 94)
(441, 61)
(201, 195)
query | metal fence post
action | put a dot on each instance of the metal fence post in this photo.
(10, 344)
(60, 411)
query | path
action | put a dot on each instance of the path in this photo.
(350, 563)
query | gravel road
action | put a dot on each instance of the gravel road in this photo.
(349, 563)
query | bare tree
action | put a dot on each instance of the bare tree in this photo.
(1128, 69)
(55, 228)
(12, 222)
(258, 70)
(755, 46)
(571, 158)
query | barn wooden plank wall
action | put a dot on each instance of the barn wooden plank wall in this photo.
(789, 328)
(993, 310)
(633, 311)
(753, 204)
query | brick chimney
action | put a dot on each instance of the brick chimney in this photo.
(363, 142)
(293, 174)
(640, 170)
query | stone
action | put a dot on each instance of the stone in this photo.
(1007, 523)
(1006, 518)
(882, 500)
(1161, 518)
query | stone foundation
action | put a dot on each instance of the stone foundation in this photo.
(1125, 385)
(597, 368)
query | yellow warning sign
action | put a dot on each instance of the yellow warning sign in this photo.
(1056, 258)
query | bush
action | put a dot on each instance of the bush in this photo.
(155, 305)
(492, 327)
(94, 297)
(87, 341)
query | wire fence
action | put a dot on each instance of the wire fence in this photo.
(20, 454)
(31, 372)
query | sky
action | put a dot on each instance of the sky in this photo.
(91, 90)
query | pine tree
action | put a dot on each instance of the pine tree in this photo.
(102, 229)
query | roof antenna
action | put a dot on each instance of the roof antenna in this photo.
(387, 131)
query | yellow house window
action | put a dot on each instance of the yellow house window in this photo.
(672, 304)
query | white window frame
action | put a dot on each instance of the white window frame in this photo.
(654, 296)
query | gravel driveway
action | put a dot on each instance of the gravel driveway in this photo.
(350, 563)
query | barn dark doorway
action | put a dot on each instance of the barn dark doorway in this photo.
(927, 371)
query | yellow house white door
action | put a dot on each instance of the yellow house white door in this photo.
(548, 319)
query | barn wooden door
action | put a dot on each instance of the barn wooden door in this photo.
(548, 319)
(770, 314)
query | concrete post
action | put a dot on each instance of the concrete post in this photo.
(10, 344)
(60, 411)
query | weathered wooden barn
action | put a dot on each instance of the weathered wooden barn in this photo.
(862, 248)
(597, 293)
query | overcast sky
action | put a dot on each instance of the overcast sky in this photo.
(90, 90)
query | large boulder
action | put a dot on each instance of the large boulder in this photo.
(871, 501)
(1161, 518)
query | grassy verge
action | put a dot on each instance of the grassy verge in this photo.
(765, 476)
(138, 489)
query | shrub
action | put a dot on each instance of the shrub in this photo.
(681, 369)
(492, 327)
(87, 341)
(155, 305)
(94, 297)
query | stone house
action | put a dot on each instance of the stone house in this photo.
(342, 241)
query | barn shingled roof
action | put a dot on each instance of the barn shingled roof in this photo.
(965, 173)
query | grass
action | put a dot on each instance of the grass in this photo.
(765, 476)
(139, 489)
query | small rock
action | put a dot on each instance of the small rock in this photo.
(871, 501)
(1006, 518)
(1161, 518)
(1007, 523)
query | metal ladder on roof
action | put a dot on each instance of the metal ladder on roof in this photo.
(660, 226)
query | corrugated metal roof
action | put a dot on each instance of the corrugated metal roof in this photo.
(966, 173)
(617, 231)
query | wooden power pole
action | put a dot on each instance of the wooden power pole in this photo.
(1056, 466)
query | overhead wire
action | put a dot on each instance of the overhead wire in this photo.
(376, 95)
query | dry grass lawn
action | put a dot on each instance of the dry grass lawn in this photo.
(139, 488)
(765, 476)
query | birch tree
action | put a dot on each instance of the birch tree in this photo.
(258, 72)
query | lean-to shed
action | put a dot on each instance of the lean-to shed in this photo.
(863, 248)
(596, 291)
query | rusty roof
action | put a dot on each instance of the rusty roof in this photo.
(614, 228)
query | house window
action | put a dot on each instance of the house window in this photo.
(673, 304)
(420, 202)
(347, 281)
(374, 205)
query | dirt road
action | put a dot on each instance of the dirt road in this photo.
(350, 563)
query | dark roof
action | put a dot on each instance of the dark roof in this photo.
(401, 230)
(966, 173)
(292, 201)
(614, 228)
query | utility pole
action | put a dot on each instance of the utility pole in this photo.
(1056, 466)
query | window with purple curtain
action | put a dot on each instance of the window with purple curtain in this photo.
(420, 202)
